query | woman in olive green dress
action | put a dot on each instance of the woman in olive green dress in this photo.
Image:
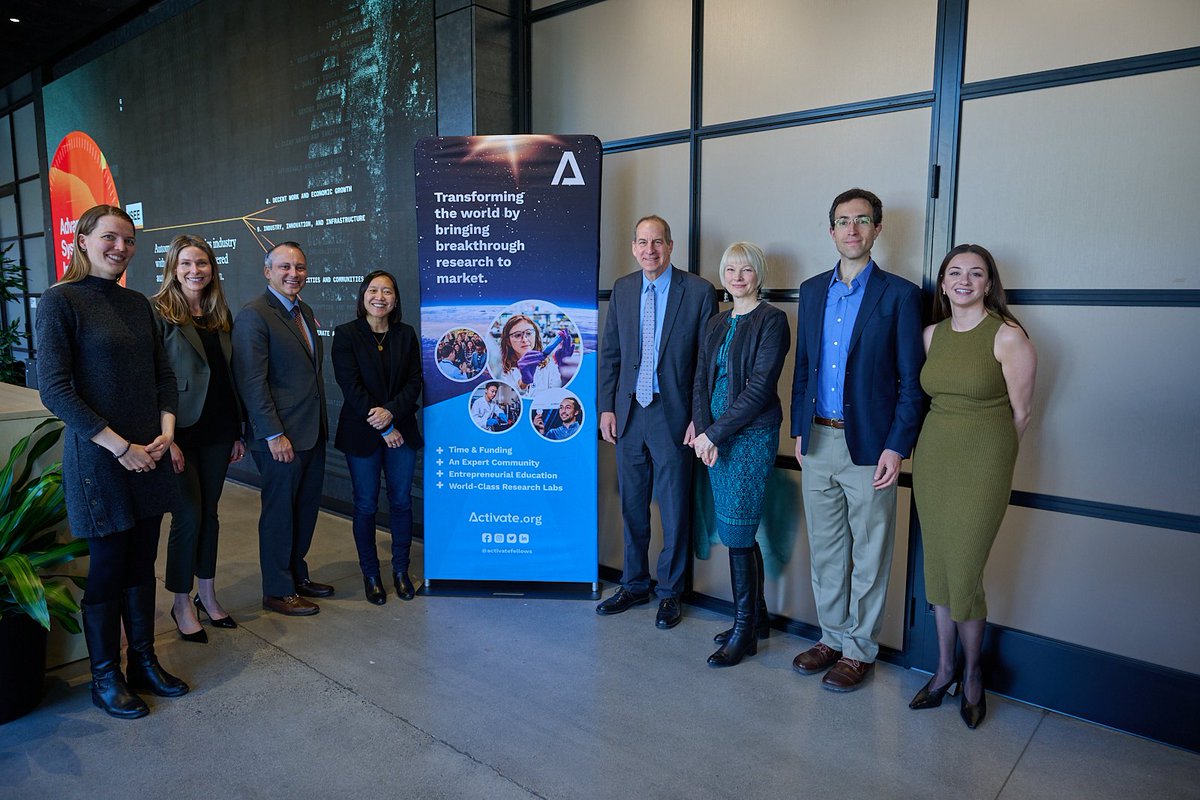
(979, 372)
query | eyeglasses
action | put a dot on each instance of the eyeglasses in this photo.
(861, 219)
(525, 334)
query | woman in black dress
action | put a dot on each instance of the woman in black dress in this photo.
(194, 321)
(377, 363)
(103, 372)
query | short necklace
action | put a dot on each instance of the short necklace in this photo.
(379, 340)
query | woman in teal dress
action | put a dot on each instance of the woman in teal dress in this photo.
(736, 415)
(979, 372)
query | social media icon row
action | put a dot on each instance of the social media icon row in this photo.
(509, 538)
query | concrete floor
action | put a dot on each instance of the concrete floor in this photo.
(516, 698)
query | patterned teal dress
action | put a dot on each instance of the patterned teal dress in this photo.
(744, 461)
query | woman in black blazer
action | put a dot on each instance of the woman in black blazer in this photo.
(195, 322)
(736, 412)
(377, 363)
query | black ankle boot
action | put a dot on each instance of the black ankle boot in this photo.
(373, 588)
(743, 641)
(145, 673)
(404, 585)
(762, 617)
(110, 693)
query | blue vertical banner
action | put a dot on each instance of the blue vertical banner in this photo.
(508, 234)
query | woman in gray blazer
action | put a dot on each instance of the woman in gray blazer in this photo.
(194, 321)
(737, 413)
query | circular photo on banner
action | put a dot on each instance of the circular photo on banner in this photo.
(534, 347)
(556, 415)
(494, 406)
(79, 179)
(462, 354)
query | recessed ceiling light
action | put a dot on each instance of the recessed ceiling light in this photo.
(13, 19)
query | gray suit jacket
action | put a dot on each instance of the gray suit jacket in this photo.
(690, 303)
(190, 364)
(279, 382)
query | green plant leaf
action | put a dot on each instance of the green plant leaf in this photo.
(47, 441)
(25, 587)
(62, 605)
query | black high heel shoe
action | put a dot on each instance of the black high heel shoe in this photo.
(973, 713)
(929, 697)
(224, 622)
(199, 637)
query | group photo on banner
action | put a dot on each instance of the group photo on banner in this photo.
(509, 244)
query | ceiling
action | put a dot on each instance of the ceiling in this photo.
(52, 29)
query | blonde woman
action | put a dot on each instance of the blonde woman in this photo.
(103, 372)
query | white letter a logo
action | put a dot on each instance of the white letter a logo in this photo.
(574, 179)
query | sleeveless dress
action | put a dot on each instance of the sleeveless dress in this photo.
(744, 461)
(963, 464)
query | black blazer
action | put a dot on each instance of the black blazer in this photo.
(365, 385)
(755, 361)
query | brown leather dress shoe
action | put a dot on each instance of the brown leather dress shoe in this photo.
(291, 606)
(310, 588)
(846, 675)
(815, 659)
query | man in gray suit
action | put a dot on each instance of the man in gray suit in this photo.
(277, 368)
(647, 368)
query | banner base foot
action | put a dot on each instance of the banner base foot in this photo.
(543, 590)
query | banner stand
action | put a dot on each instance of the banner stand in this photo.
(508, 231)
(542, 590)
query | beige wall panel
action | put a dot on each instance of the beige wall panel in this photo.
(616, 69)
(784, 542)
(1087, 186)
(1119, 588)
(638, 183)
(774, 188)
(1014, 37)
(776, 56)
(1114, 416)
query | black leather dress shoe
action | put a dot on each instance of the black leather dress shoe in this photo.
(622, 600)
(373, 587)
(310, 588)
(670, 613)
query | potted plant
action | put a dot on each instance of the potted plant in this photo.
(32, 512)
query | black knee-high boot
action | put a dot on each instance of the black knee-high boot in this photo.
(762, 617)
(110, 693)
(145, 673)
(743, 641)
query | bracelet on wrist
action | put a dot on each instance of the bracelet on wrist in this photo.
(388, 432)
(120, 455)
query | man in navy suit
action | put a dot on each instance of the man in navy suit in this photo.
(647, 367)
(277, 358)
(856, 410)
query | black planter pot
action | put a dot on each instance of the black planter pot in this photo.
(22, 666)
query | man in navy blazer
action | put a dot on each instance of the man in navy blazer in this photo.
(277, 367)
(647, 368)
(856, 410)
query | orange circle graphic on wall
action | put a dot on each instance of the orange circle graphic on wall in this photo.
(79, 179)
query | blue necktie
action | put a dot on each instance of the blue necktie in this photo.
(645, 381)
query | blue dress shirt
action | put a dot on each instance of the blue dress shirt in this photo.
(842, 303)
(662, 285)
